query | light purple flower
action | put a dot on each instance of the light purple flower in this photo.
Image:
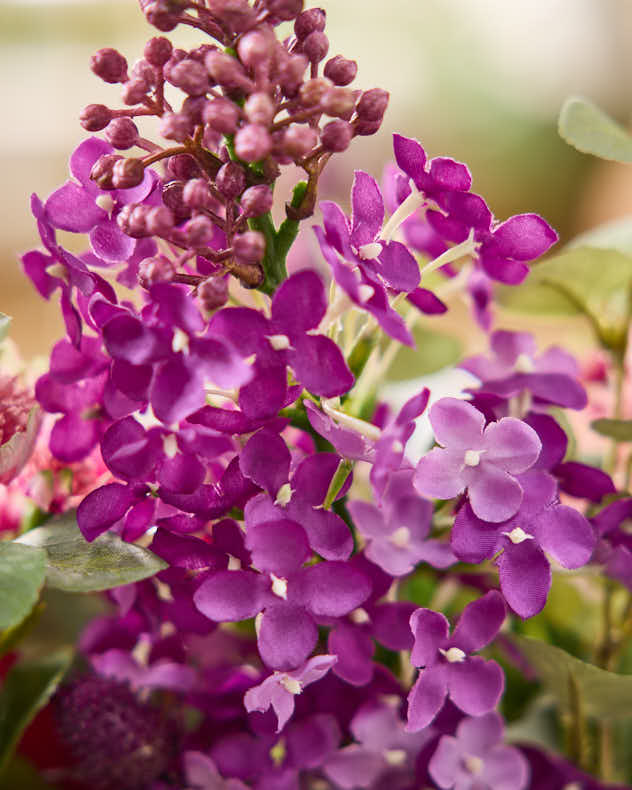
(202, 774)
(483, 460)
(477, 759)
(473, 684)
(279, 689)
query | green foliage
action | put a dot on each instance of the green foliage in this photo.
(22, 573)
(615, 235)
(434, 351)
(590, 130)
(27, 688)
(619, 430)
(75, 565)
(5, 322)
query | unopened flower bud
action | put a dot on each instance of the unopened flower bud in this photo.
(177, 55)
(132, 220)
(159, 220)
(313, 90)
(121, 133)
(284, 9)
(183, 167)
(340, 70)
(256, 200)
(158, 14)
(176, 126)
(255, 48)
(290, 73)
(192, 108)
(372, 105)
(221, 115)
(227, 71)
(213, 293)
(173, 198)
(299, 140)
(260, 108)
(316, 46)
(336, 136)
(142, 71)
(236, 14)
(338, 103)
(231, 180)
(196, 194)
(199, 231)
(190, 76)
(102, 170)
(95, 117)
(159, 269)
(200, 53)
(109, 65)
(127, 173)
(309, 21)
(134, 91)
(249, 247)
(252, 142)
(250, 275)
(366, 128)
(158, 51)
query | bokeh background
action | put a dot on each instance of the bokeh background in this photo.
(481, 81)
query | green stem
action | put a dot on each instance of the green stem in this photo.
(337, 482)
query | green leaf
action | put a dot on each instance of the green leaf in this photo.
(605, 695)
(5, 323)
(17, 451)
(587, 128)
(588, 280)
(434, 351)
(75, 565)
(26, 689)
(20, 773)
(619, 430)
(22, 573)
(615, 235)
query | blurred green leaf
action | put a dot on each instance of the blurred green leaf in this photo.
(26, 689)
(16, 634)
(588, 280)
(587, 128)
(605, 695)
(22, 574)
(75, 565)
(5, 323)
(620, 430)
(615, 235)
(434, 351)
(21, 774)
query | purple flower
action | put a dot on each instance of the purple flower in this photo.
(540, 525)
(476, 758)
(473, 685)
(481, 459)
(202, 774)
(279, 689)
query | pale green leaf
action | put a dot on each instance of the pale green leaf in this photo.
(615, 235)
(587, 128)
(22, 574)
(26, 689)
(605, 695)
(620, 430)
(75, 565)
(434, 351)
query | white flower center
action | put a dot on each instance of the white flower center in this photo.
(279, 586)
(284, 495)
(472, 457)
(473, 764)
(518, 535)
(359, 616)
(524, 364)
(454, 655)
(369, 251)
(395, 757)
(180, 341)
(105, 202)
(400, 538)
(57, 270)
(234, 563)
(279, 342)
(365, 292)
(290, 684)
(170, 446)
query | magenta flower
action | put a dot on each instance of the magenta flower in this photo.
(279, 689)
(473, 684)
(481, 459)
(477, 759)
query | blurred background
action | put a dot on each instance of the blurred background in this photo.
(480, 81)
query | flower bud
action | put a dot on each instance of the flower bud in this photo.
(121, 133)
(255, 48)
(144, 72)
(159, 220)
(196, 194)
(221, 115)
(290, 73)
(312, 91)
(190, 76)
(284, 9)
(340, 70)
(134, 91)
(173, 198)
(227, 71)
(338, 103)
(199, 231)
(159, 269)
(109, 65)
(102, 170)
(175, 126)
(192, 108)
(372, 105)
(235, 14)
(127, 173)
(132, 220)
(366, 128)
(213, 293)
(95, 117)
(158, 51)
(249, 247)
(256, 200)
(260, 108)
(316, 46)
(231, 180)
(309, 21)
(336, 136)
(252, 142)
(183, 167)
(177, 55)
(299, 140)
(158, 14)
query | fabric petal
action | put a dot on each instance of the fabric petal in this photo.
(494, 495)
(299, 304)
(320, 366)
(265, 459)
(426, 697)
(84, 156)
(103, 507)
(439, 474)
(511, 445)
(286, 637)
(367, 209)
(506, 769)
(398, 268)
(524, 237)
(566, 535)
(278, 547)
(525, 577)
(332, 588)
(430, 631)
(445, 762)
(480, 622)
(71, 208)
(457, 424)
(354, 648)
(475, 685)
(110, 243)
(230, 595)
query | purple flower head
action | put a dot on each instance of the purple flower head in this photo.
(614, 549)
(477, 759)
(279, 689)
(540, 525)
(551, 377)
(473, 684)
(483, 460)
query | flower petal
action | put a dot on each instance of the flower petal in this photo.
(475, 685)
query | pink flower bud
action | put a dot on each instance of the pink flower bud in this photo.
(159, 269)
(176, 126)
(336, 136)
(173, 198)
(158, 51)
(230, 180)
(299, 140)
(260, 108)
(121, 133)
(249, 247)
(338, 103)
(196, 194)
(256, 200)
(190, 76)
(159, 221)
(95, 117)
(227, 71)
(256, 48)
(252, 142)
(313, 90)
(109, 65)
(134, 92)
(221, 115)
(372, 105)
(101, 172)
(284, 9)
(316, 46)
(340, 70)
(309, 21)
(183, 167)
(127, 173)
(199, 231)
(213, 293)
